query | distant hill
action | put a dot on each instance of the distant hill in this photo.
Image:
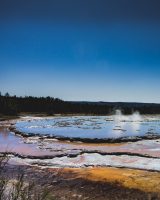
(114, 103)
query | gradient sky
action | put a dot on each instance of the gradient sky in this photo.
(95, 50)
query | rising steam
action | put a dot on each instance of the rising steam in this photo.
(135, 117)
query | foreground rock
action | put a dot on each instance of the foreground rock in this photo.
(68, 184)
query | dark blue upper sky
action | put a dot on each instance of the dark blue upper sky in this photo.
(106, 50)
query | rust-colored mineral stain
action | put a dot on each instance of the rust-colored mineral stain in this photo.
(137, 179)
(84, 144)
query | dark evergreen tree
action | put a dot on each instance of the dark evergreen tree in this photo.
(12, 105)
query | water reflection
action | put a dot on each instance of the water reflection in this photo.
(100, 127)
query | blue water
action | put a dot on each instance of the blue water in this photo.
(101, 127)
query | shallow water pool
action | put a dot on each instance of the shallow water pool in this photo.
(91, 127)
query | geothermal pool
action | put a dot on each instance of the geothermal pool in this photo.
(91, 127)
(84, 141)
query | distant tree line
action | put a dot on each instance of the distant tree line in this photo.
(13, 105)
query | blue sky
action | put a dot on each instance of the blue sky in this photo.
(80, 57)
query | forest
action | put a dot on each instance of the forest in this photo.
(13, 105)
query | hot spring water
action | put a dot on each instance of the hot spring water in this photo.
(92, 127)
